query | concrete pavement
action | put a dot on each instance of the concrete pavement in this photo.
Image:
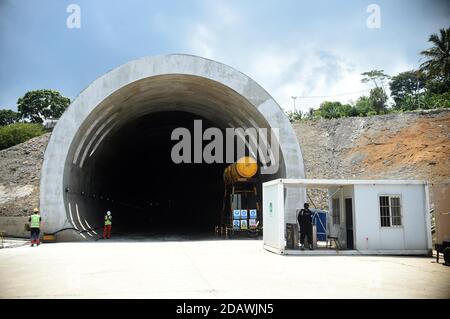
(210, 269)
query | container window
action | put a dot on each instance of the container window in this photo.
(390, 211)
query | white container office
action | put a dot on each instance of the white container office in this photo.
(365, 216)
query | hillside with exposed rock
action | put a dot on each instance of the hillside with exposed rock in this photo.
(413, 145)
(20, 172)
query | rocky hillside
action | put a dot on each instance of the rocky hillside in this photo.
(20, 171)
(413, 145)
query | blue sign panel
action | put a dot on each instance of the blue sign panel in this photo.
(320, 219)
(236, 214)
(253, 213)
(243, 214)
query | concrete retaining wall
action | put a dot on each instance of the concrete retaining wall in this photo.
(14, 226)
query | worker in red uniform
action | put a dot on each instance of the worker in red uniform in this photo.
(108, 226)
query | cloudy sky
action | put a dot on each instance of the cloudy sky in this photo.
(315, 50)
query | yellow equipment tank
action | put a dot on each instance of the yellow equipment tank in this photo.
(245, 168)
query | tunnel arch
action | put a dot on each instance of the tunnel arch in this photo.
(101, 145)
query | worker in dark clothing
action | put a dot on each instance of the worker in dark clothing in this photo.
(305, 221)
(35, 226)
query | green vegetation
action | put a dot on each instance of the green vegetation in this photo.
(425, 88)
(17, 133)
(34, 107)
(8, 117)
(406, 89)
(437, 64)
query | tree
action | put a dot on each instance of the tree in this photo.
(406, 88)
(8, 117)
(38, 105)
(378, 99)
(437, 86)
(437, 64)
(377, 77)
(364, 106)
(378, 94)
(294, 116)
(330, 110)
(438, 100)
(346, 110)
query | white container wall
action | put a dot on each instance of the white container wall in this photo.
(273, 216)
(414, 232)
(409, 234)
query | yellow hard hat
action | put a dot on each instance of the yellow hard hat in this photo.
(35, 210)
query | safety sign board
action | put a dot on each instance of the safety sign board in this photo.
(244, 224)
(252, 223)
(253, 213)
(236, 224)
(243, 214)
(236, 214)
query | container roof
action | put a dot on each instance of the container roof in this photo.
(324, 183)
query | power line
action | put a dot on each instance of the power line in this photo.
(321, 96)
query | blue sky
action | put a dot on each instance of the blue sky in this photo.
(291, 48)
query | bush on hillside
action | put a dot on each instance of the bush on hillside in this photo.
(17, 133)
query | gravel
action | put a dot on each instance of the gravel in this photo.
(20, 171)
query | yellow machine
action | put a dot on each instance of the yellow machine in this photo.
(48, 238)
(245, 168)
(240, 179)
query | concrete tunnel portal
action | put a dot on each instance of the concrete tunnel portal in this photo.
(111, 150)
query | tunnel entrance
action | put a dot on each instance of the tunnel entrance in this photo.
(111, 149)
(121, 162)
(135, 178)
(154, 194)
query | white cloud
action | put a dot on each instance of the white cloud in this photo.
(202, 41)
(304, 72)
(304, 69)
(226, 15)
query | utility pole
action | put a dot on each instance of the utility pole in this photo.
(294, 98)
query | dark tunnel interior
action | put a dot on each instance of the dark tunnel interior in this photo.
(154, 193)
(132, 175)
(120, 158)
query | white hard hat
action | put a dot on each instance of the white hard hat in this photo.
(108, 213)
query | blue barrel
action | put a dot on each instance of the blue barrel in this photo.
(320, 219)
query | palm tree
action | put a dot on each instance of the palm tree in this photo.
(438, 63)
